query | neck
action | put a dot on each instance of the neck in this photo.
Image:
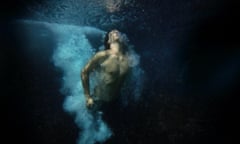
(115, 48)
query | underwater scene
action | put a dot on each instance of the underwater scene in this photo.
(120, 71)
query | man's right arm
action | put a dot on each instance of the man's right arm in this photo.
(87, 69)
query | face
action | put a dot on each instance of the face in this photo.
(114, 35)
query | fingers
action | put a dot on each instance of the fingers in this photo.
(90, 103)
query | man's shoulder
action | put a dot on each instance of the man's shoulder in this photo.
(101, 53)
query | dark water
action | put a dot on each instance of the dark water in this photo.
(189, 52)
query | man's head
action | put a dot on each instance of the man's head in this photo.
(114, 36)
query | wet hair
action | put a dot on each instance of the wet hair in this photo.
(106, 44)
(122, 39)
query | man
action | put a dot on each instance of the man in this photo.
(112, 64)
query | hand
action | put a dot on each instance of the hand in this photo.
(89, 102)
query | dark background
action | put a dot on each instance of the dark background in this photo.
(192, 68)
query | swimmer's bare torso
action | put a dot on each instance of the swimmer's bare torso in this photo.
(113, 69)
